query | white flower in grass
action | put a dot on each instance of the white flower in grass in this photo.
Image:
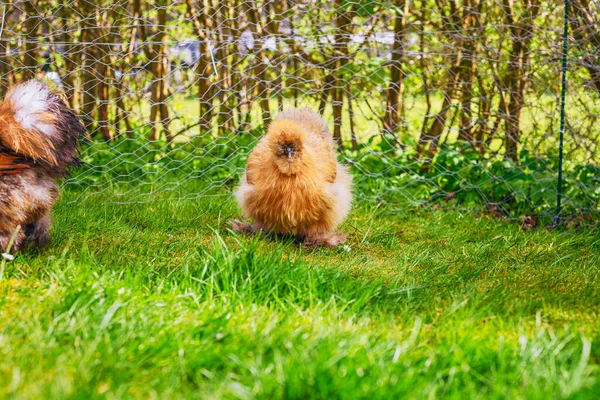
(8, 257)
(347, 248)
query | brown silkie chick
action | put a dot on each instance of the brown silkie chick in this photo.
(293, 183)
(39, 136)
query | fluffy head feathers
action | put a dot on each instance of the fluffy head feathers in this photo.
(36, 124)
(31, 103)
(286, 141)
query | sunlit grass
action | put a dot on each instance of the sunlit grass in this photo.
(161, 300)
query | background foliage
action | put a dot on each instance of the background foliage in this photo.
(428, 99)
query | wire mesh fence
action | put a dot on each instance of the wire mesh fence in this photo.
(438, 102)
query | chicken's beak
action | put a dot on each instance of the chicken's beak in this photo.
(288, 151)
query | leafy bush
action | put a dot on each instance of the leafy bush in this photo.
(460, 175)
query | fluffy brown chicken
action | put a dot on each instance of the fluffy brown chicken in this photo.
(293, 183)
(39, 136)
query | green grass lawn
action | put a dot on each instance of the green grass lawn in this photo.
(160, 300)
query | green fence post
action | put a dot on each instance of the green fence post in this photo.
(562, 113)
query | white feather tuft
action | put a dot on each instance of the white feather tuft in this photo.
(29, 100)
(241, 195)
(340, 193)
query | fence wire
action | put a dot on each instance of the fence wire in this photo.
(437, 102)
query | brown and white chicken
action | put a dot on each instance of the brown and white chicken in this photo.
(39, 136)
